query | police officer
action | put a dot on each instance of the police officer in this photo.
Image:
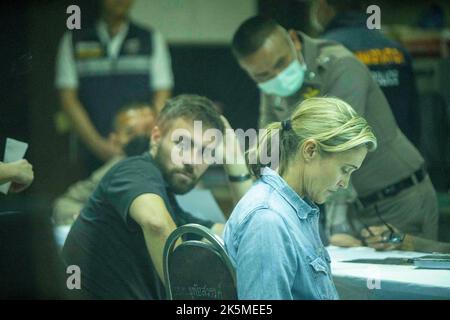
(289, 67)
(389, 63)
(107, 65)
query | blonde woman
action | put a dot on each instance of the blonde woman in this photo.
(272, 235)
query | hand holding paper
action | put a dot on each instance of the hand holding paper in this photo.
(23, 175)
(16, 172)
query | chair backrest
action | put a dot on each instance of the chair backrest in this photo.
(198, 270)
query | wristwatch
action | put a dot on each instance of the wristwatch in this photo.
(393, 237)
(241, 178)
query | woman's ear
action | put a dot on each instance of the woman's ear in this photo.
(309, 150)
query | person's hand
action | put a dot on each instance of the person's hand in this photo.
(231, 148)
(105, 150)
(378, 236)
(234, 160)
(344, 240)
(22, 175)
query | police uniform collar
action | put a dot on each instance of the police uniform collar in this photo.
(311, 54)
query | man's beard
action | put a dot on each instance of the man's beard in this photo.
(179, 180)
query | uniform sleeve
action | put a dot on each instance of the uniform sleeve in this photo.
(161, 68)
(349, 80)
(127, 182)
(266, 262)
(66, 73)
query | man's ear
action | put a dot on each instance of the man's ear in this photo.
(309, 150)
(155, 135)
(295, 39)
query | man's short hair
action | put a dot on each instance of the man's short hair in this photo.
(190, 107)
(251, 34)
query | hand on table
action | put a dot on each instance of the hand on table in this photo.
(377, 237)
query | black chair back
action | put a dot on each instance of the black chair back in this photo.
(198, 270)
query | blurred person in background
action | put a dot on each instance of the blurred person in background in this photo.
(104, 66)
(390, 64)
(134, 120)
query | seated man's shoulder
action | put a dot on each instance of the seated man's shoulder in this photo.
(141, 165)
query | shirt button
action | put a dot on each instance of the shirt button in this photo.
(312, 75)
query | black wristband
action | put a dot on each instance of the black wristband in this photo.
(241, 178)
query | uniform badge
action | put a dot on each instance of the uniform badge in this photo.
(88, 49)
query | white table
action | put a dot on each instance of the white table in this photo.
(377, 281)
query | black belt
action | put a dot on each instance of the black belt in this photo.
(395, 188)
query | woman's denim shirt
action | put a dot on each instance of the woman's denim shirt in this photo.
(272, 238)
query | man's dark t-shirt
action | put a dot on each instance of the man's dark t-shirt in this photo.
(108, 245)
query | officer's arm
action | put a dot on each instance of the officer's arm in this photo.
(84, 127)
(150, 212)
(413, 243)
(349, 80)
(66, 81)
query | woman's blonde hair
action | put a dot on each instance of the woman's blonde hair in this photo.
(331, 122)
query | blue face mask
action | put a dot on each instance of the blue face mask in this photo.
(287, 82)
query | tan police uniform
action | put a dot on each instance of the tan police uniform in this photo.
(390, 177)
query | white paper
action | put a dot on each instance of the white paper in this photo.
(14, 151)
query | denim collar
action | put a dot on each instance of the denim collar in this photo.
(303, 207)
